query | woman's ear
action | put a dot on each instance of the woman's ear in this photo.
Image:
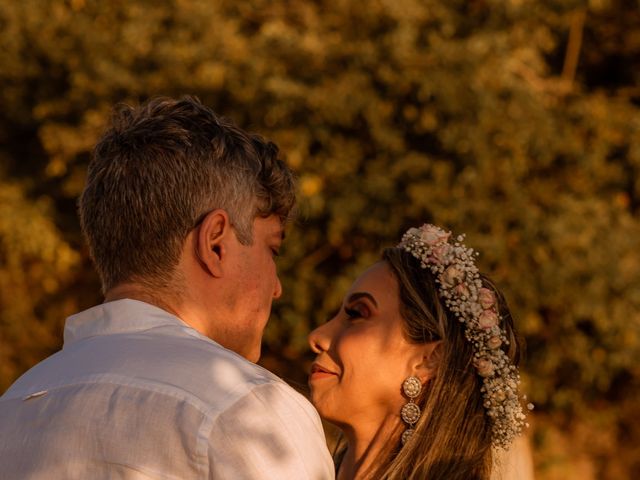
(212, 236)
(425, 365)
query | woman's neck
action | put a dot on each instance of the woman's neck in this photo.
(365, 444)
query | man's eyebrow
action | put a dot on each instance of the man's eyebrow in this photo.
(357, 295)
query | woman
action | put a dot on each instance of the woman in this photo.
(418, 368)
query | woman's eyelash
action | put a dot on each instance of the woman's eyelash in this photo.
(352, 312)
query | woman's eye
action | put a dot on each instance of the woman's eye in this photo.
(351, 313)
(355, 312)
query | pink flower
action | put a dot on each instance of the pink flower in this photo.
(439, 253)
(484, 367)
(432, 235)
(486, 298)
(494, 342)
(413, 231)
(452, 276)
(488, 319)
(462, 290)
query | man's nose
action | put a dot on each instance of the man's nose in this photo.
(277, 292)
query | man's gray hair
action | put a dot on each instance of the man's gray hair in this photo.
(158, 171)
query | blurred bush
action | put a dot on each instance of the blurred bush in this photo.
(516, 121)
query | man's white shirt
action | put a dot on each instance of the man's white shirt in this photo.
(137, 394)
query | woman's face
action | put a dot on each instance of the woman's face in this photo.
(362, 354)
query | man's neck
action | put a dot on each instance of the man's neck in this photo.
(141, 293)
(169, 301)
(161, 298)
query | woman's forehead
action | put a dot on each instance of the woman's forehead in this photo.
(377, 280)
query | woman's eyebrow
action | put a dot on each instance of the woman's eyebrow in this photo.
(357, 295)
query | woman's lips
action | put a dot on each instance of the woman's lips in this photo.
(318, 372)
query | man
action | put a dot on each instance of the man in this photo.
(183, 213)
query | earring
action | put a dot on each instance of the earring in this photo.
(410, 412)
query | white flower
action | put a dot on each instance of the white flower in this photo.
(452, 276)
(499, 395)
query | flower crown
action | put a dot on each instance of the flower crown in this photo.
(462, 291)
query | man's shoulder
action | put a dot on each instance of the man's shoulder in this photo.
(199, 367)
(227, 374)
(213, 397)
(224, 380)
(184, 365)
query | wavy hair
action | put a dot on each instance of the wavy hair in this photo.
(452, 439)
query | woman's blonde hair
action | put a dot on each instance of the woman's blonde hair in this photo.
(452, 439)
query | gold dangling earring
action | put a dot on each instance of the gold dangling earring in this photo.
(410, 412)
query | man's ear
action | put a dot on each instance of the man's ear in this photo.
(212, 237)
(427, 360)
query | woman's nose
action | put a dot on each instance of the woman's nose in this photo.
(320, 338)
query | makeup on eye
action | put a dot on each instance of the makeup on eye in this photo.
(357, 305)
(352, 313)
(360, 295)
(357, 310)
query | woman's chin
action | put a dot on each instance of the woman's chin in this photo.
(330, 416)
(326, 413)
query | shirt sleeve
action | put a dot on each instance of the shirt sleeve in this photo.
(272, 432)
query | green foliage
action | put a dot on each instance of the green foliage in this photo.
(462, 113)
(36, 264)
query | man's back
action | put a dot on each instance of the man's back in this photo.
(136, 393)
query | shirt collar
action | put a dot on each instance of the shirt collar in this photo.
(118, 316)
